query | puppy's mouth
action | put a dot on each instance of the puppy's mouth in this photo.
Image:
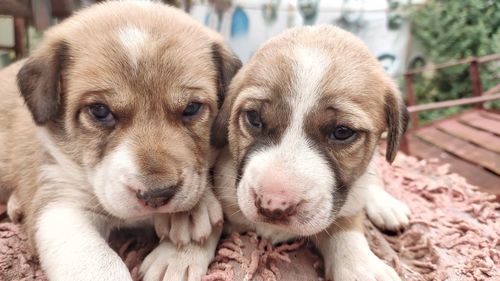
(129, 200)
(157, 198)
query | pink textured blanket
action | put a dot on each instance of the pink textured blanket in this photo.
(454, 235)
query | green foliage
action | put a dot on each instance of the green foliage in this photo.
(450, 30)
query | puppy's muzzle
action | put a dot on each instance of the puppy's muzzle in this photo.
(158, 197)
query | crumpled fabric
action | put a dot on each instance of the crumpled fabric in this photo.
(454, 235)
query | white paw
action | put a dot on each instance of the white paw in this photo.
(385, 211)
(196, 225)
(170, 263)
(369, 268)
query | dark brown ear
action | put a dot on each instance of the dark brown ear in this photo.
(227, 65)
(397, 117)
(220, 127)
(39, 82)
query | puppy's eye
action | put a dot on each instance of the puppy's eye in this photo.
(341, 133)
(192, 109)
(102, 114)
(253, 119)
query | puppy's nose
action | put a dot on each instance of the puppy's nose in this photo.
(275, 208)
(157, 197)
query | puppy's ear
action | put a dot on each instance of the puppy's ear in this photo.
(227, 65)
(397, 117)
(39, 81)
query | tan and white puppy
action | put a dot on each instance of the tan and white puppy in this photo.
(110, 127)
(302, 121)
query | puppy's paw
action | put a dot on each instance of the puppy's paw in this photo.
(369, 268)
(385, 211)
(170, 263)
(195, 225)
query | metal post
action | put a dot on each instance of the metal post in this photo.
(405, 143)
(19, 37)
(411, 100)
(475, 79)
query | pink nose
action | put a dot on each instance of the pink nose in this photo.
(275, 208)
(278, 196)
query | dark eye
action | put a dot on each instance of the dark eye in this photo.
(102, 113)
(341, 133)
(191, 109)
(253, 118)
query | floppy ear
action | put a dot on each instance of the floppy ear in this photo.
(397, 117)
(39, 81)
(227, 65)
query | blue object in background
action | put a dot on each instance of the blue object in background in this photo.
(239, 23)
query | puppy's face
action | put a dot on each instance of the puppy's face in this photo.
(127, 94)
(303, 119)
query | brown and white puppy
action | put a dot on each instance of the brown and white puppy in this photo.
(111, 126)
(302, 121)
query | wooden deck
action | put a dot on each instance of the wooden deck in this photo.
(470, 143)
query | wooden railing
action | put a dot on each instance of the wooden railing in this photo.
(478, 97)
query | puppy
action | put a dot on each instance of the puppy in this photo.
(301, 122)
(110, 127)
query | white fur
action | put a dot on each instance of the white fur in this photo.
(196, 225)
(349, 258)
(71, 242)
(385, 211)
(65, 166)
(133, 40)
(72, 247)
(116, 178)
(359, 194)
(113, 181)
(309, 71)
(14, 210)
(167, 262)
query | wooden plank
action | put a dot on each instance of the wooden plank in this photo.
(489, 58)
(481, 138)
(490, 115)
(476, 120)
(461, 148)
(484, 59)
(475, 175)
(19, 8)
(450, 103)
(492, 90)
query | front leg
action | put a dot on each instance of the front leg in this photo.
(185, 263)
(347, 256)
(385, 211)
(71, 246)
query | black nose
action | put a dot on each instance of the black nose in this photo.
(157, 197)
